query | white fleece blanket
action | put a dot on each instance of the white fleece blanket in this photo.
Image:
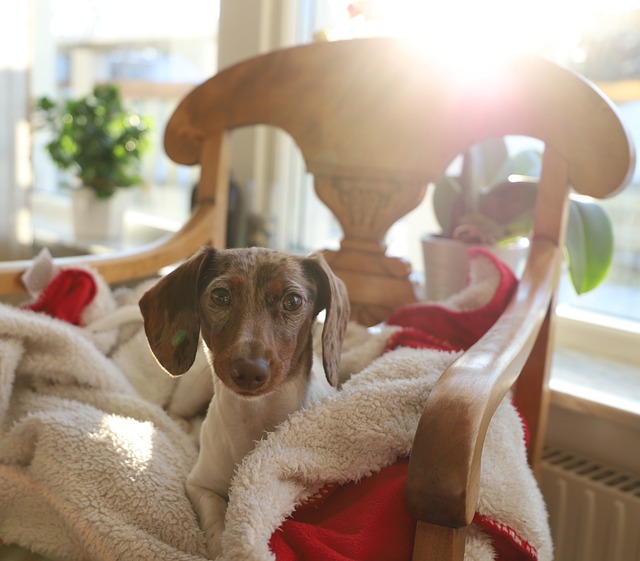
(92, 468)
(89, 468)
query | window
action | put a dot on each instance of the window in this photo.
(155, 54)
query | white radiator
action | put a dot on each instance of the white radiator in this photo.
(594, 509)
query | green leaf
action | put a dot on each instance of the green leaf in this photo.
(445, 201)
(589, 244)
(487, 158)
(526, 162)
(510, 203)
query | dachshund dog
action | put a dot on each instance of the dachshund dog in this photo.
(254, 310)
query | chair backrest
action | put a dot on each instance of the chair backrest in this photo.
(376, 122)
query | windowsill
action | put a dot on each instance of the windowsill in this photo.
(595, 401)
(52, 223)
(601, 386)
(596, 366)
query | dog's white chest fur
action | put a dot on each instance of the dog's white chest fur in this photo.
(235, 423)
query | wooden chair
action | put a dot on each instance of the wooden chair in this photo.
(376, 122)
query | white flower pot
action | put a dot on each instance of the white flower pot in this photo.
(99, 220)
(446, 263)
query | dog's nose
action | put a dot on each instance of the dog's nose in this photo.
(250, 374)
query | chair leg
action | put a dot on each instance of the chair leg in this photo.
(438, 542)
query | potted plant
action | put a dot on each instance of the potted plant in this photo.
(101, 143)
(491, 202)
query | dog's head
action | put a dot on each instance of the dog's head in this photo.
(254, 309)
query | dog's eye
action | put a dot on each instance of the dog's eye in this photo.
(221, 296)
(292, 301)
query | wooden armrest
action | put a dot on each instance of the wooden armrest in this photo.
(444, 469)
(136, 263)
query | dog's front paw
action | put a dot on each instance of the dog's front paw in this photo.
(213, 536)
(210, 508)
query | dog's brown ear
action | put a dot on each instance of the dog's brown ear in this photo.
(332, 297)
(171, 316)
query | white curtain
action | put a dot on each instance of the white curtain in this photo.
(15, 134)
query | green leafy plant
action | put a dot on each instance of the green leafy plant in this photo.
(96, 138)
(492, 201)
